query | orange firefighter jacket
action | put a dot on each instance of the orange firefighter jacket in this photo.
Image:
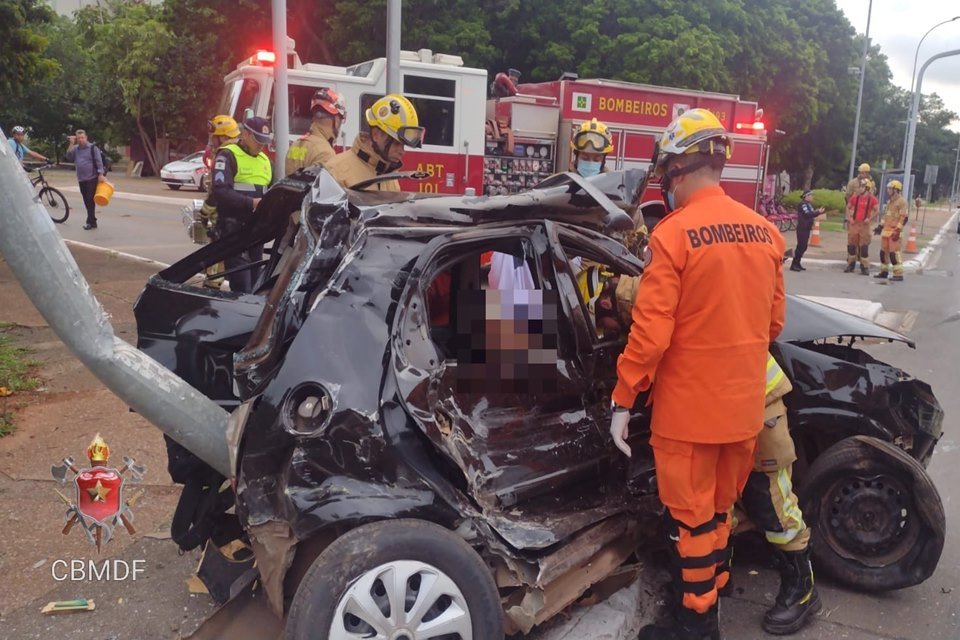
(709, 304)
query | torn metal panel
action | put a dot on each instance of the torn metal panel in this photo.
(274, 547)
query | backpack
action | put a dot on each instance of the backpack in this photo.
(104, 159)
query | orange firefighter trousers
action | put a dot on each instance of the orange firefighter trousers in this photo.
(698, 484)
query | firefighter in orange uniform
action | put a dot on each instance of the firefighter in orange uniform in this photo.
(710, 302)
(892, 223)
(393, 125)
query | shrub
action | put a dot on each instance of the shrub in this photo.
(830, 199)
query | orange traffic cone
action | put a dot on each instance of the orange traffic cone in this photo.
(912, 240)
(815, 236)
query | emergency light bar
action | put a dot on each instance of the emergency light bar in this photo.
(263, 57)
(751, 126)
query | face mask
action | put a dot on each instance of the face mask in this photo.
(668, 198)
(588, 169)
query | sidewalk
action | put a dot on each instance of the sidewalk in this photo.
(832, 251)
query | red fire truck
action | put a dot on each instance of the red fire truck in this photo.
(529, 133)
(505, 145)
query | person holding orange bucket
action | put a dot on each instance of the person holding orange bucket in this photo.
(88, 161)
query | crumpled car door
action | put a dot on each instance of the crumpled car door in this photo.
(536, 462)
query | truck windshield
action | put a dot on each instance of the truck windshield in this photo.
(241, 94)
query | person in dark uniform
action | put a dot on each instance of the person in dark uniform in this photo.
(241, 175)
(806, 214)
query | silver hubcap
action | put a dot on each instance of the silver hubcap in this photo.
(402, 600)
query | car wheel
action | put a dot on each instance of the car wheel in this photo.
(202, 187)
(878, 521)
(173, 187)
(397, 579)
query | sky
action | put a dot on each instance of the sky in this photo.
(898, 25)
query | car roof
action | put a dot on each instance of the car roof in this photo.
(604, 203)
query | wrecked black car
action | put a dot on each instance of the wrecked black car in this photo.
(417, 451)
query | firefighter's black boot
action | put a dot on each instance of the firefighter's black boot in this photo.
(686, 625)
(798, 599)
(882, 274)
(850, 267)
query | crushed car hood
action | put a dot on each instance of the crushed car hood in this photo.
(808, 321)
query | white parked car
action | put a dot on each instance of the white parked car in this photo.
(189, 171)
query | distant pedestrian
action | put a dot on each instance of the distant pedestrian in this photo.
(806, 214)
(862, 209)
(20, 150)
(90, 172)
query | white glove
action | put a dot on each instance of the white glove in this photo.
(619, 431)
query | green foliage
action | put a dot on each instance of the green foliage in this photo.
(16, 375)
(829, 199)
(22, 46)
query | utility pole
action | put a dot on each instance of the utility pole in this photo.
(863, 73)
(281, 97)
(954, 187)
(913, 75)
(393, 46)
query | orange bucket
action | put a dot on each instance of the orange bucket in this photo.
(103, 194)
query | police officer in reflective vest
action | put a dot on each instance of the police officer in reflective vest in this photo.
(241, 174)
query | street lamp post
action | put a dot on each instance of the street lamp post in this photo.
(863, 73)
(953, 184)
(912, 125)
(913, 75)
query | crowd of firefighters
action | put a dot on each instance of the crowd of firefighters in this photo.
(698, 336)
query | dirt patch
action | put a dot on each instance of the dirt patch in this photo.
(59, 419)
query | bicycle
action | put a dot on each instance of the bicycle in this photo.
(52, 199)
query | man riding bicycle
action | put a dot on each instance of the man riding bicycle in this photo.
(19, 149)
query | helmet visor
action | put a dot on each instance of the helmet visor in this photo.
(591, 141)
(411, 136)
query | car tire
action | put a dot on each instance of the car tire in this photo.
(173, 187)
(412, 551)
(877, 518)
(202, 187)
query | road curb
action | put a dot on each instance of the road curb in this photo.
(116, 254)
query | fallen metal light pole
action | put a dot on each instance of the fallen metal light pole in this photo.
(49, 275)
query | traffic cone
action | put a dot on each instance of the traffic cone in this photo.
(912, 240)
(815, 235)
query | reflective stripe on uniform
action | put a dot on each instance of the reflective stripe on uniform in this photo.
(792, 518)
(774, 374)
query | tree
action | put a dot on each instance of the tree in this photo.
(22, 47)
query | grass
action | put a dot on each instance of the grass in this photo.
(16, 369)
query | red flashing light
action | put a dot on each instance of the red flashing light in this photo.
(263, 57)
(751, 126)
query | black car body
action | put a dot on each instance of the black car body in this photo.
(354, 402)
